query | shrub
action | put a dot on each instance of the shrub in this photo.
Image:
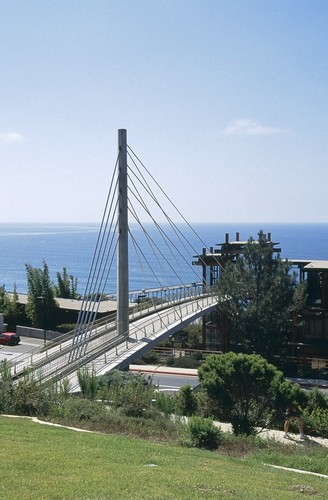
(186, 402)
(30, 397)
(96, 416)
(79, 409)
(316, 399)
(132, 393)
(165, 403)
(316, 421)
(202, 433)
(6, 387)
(65, 327)
(245, 389)
(183, 362)
(170, 361)
(88, 383)
(206, 406)
(151, 358)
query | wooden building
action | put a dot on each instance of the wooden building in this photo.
(310, 340)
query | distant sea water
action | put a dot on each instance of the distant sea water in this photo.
(72, 246)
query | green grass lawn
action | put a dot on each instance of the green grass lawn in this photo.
(44, 462)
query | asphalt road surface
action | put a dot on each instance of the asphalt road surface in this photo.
(26, 344)
(172, 383)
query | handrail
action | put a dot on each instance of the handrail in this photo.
(55, 360)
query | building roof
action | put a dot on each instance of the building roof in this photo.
(317, 264)
(309, 265)
(75, 305)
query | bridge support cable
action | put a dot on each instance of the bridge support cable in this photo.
(183, 241)
(160, 258)
(172, 247)
(105, 247)
(173, 253)
(136, 160)
(144, 259)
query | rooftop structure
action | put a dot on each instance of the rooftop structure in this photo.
(217, 258)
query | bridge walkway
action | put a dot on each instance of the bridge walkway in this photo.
(106, 350)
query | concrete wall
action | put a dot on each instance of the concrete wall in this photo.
(36, 333)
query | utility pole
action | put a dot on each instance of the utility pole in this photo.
(122, 252)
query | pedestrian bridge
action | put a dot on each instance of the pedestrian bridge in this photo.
(157, 312)
(105, 349)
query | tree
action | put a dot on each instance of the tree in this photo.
(9, 306)
(246, 389)
(66, 287)
(259, 296)
(41, 304)
(186, 402)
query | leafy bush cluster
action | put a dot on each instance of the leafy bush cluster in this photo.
(317, 421)
(184, 362)
(242, 389)
(202, 433)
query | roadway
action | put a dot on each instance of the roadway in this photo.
(26, 344)
(168, 379)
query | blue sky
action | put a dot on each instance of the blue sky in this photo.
(225, 101)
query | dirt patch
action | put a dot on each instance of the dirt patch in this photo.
(307, 490)
(237, 448)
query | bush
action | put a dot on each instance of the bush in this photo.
(30, 397)
(183, 362)
(316, 399)
(165, 403)
(88, 383)
(65, 327)
(96, 416)
(202, 433)
(316, 422)
(186, 402)
(170, 361)
(245, 388)
(6, 387)
(79, 409)
(206, 406)
(151, 358)
(132, 393)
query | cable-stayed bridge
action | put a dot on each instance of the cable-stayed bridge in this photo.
(134, 200)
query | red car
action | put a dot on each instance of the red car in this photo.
(9, 338)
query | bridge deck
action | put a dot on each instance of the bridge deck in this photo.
(106, 351)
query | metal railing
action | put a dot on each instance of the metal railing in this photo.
(53, 363)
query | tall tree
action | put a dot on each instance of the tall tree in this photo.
(6, 303)
(66, 287)
(9, 306)
(41, 304)
(259, 296)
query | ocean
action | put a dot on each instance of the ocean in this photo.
(72, 246)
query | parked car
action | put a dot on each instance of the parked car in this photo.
(9, 338)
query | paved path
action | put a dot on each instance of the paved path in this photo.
(278, 436)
